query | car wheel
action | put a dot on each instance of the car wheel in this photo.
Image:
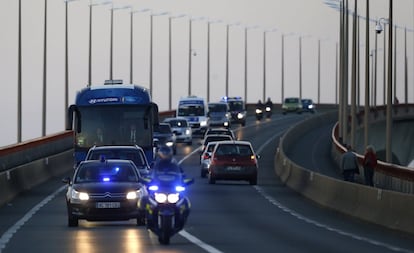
(203, 173)
(72, 221)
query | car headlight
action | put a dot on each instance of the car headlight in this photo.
(188, 131)
(203, 123)
(79, 195)
(132, 195)
(240, 115)
(226, 123)
(169, 143)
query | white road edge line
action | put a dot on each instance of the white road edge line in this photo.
(7, 236)
(318, 224)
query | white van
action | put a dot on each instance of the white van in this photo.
(195, 110)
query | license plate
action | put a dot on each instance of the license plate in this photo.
(234, 168)
(108, 205)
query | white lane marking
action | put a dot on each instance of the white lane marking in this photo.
(7, 236)
(189, 236)
(315, 223)
(331, 229)
(199, 243)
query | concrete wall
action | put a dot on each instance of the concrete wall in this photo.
(391, 209)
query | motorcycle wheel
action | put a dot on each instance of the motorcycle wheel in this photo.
(164, 236)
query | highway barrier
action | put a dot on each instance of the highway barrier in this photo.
(391, 209)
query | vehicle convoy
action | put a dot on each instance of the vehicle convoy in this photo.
(112, 114)
(237, 109)
(219, 115)
(167, 207)
(104, 190)
(194, 109)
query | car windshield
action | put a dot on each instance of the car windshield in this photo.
(133, 155)
(178, 123)
(232, 149)
(236, 105)
(217, 138)
(291, 100)
(106, 172)
(191, 110)
(217, 108)
(163, 128)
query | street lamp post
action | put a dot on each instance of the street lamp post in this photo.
(111, 53)
(264, 61)
(170, 59)
(90, 38)
(44, 72)
(131, 59)
(282, 94)
(19, 76)
(151, 48)
(66, 61)
(227, 56)
(190, 50)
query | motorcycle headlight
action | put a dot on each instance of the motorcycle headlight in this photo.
(79, 195)
(161, 197)
(258, 111)
(267, 109)
(173, 198)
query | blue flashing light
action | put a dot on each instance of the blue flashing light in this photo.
(153, 188)
(117, 169)
(180, 188)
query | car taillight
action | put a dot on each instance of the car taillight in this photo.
(205, 156)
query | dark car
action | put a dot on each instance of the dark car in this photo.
(165, 136)
(181, 129)
(307, 105)
(134, 153)
(219, 114)
(105, 190)
(221, 131)
(233, 160)
(237, 109)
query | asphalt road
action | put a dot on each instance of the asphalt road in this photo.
(229, 216)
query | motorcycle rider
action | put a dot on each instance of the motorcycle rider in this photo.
(259, 109)
(166, 162)
(269, 104)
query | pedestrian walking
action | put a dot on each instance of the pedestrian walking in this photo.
(349, 165)
(369, 164)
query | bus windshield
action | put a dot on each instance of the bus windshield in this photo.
(115, 125)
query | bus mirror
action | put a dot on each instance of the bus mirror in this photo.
(69, 122)
(155, 113)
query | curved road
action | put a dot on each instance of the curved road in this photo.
(226, 217)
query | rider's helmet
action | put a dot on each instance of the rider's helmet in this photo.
(165, 153)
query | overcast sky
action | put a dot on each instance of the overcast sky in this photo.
(312, 20)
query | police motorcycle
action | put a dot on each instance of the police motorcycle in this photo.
(268, 108)
(167, 207)
(259, 110)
